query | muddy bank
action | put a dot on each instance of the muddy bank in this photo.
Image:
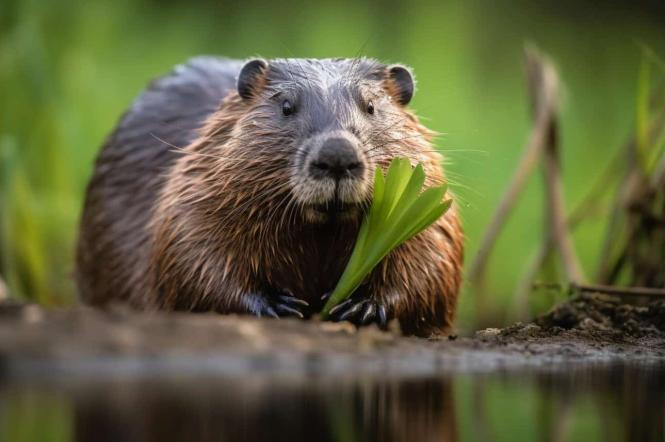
(118, 342)
(588, 326)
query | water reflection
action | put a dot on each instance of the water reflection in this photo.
(616, 403)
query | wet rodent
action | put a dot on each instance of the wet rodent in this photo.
(239, 187)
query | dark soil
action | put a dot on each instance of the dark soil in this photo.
(607, 317)
(118, 342)
(589, 323)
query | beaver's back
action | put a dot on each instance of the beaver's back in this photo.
(130, 171)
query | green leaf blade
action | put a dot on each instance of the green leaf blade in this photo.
(399, 211)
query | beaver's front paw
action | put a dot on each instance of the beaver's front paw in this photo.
(276, 305)
(361, 310)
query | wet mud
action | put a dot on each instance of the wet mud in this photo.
(87, 342)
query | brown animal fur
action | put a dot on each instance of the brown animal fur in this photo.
(223, 228)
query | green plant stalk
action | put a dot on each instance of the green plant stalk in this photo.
(399, 211)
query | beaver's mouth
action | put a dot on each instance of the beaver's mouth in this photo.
(333, 211)
(334, 207)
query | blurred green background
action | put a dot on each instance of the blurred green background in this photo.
(69, 68)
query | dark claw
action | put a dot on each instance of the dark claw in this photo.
(360, 310)
(269, 311)
(258, 304)
(288, 310)
(289, 299)
(286, 304)
(325, 297)
(341, 306)
(275, 304)
(352, 311)
(383, 316)
(369, 314)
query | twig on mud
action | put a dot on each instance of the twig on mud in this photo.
(614, 290)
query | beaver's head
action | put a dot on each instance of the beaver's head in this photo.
(325, 125)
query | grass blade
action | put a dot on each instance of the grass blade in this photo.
(399, 211)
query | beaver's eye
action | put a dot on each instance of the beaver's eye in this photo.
(287, 108)
(370, 108)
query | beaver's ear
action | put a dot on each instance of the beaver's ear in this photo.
(400, 83)
(250, 77)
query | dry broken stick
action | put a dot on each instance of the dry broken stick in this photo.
(545, 107)
(620, 291)
(557, 228)
(590, 204)
(543, 83)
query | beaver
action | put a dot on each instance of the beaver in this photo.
(239, 187)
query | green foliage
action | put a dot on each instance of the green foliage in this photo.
(68, 69)
(398, 212)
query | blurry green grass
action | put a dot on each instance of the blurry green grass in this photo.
(69, 68)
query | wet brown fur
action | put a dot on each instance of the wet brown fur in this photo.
(223, 227)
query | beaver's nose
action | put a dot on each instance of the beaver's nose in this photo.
(337, 158)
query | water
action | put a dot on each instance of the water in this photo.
(604, 403)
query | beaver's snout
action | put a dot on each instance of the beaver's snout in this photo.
(337, 159)
(331, 176)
